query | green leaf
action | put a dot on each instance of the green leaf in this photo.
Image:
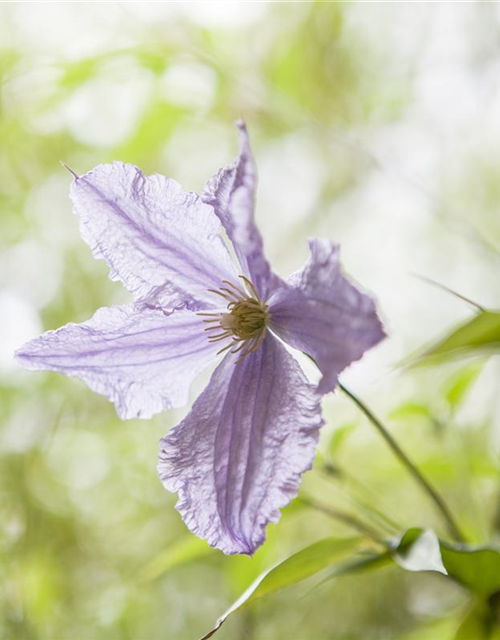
(339, 436)
(299, 566)
(479, 624)
(460, 383)
(478, 569)
(474, 626)
(184, 550)
(369, 562)
(478, 335)
(411, 409)
(475, 568)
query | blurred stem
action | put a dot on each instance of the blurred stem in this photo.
(336, 473)
(448, 290)
(422, 481)
(346, 518)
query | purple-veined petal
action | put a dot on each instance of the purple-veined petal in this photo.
(231, 192)
(140, 358)
(163, 243)
(238, 456)
(325, 315)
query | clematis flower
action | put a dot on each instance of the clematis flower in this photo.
(203, 290)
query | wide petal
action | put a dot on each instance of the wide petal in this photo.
(231, 192)
(237, 458)
(140, 358)
(325, 315)
(163, 243)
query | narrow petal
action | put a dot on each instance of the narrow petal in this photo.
(163, 243)
(138, 357)
(237, 458)
(231, 192)
(325, 315)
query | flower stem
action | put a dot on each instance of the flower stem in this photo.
(424, 483)
(384, 520)
(346, 518)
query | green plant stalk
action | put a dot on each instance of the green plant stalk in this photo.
(346, 518)
(374, 512)
(415, 472)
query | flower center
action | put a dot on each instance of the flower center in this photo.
(244, 324)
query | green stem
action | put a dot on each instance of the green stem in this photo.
(336, 473)
(346, 518)
(424, 483)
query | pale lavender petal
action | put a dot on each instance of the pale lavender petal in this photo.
(140, 358)
(231, 192)
(163, 243)
(238, 456)
(325, 315)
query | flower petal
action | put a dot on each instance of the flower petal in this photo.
(325, 315)
(138, 357)
(237, 458)
(163, 243)
(231, 192)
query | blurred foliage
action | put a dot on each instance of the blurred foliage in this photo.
(478, 335)
(91, 547)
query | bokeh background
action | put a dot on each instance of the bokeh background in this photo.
(376, 124)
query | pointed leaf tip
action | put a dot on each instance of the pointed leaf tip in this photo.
(475, 568)
(480, 335)
(420, 551)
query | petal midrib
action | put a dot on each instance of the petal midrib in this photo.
(183, 256)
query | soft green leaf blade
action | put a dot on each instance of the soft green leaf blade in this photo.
(185, 550)
(370, 562)
(339, 436)
(476, 625)
(477, 569)
(299, 566)
(480, 334)
(461, 382)
(411, 409)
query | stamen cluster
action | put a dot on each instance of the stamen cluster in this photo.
(245, 322)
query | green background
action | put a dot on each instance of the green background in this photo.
(374, 124)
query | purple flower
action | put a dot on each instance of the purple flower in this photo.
(238, 456)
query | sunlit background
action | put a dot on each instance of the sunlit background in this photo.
(377, 125)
